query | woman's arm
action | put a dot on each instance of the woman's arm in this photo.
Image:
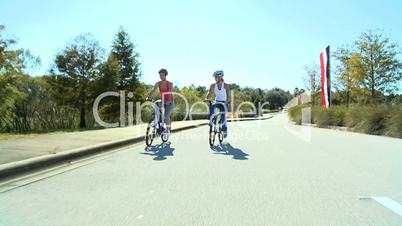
(171, 87)
(210, 92)
(227, 88)
(153, 90)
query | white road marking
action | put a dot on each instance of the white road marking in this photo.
(390, 204)
(364, 197)
(140, 216)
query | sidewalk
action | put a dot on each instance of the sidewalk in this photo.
(50, 144)
(54, 144)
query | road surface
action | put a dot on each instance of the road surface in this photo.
(267, 173)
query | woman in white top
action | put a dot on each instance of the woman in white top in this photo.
(221, 90)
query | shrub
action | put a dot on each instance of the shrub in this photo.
(394, 122)
(370, 119)
(334, 116)
(337, 115)
(354, 115)
(321, 117)
(374, 120)
(295, 114)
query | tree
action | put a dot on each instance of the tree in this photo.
(349, 74)
(235, 87)
(379, 62)
(202, 90)
(277, 98)
(127, 57)
(109, 75)
(257, 97)
(13, 62)
(312, 80)
(297, 92)
(191, 94)
(78, 67)
(9, 60)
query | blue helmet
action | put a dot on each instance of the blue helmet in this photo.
(218, 73)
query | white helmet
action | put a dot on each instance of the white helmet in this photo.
(218, 74)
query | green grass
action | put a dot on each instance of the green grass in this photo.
(13, 136)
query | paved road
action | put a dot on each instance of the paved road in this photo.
(268, 174)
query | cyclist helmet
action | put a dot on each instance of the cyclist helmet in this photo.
(164, 71)
(218, 74)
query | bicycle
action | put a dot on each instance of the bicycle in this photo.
(215, 124)
(155, 126)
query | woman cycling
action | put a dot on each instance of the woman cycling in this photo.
(222, 97)
(165, 88)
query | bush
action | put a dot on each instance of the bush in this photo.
(394, 123)
(373, 119)
(370, 119)
(334, 116)
(295, 114)
(338, 114)
(354, 115)
(321, 117)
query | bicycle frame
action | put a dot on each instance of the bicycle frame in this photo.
(216, 125)
(217, 114)
(158, 116)
(156, 113)
(156, 124)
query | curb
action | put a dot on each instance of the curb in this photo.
(338, 128)
(15, 168)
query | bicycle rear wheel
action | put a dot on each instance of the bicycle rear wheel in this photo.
(150, 135)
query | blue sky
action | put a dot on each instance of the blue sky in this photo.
(257, 43)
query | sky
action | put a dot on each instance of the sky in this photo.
(257, 43)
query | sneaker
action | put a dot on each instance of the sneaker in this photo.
(225, 134)
(168, 134)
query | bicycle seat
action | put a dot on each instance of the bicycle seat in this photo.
(218, 102)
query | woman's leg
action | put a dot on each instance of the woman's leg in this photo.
(168, 110)
(223, 109)
(211, 112)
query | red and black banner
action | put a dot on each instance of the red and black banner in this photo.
(325, 78)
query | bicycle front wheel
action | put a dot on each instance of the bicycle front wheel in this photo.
(211, 135)
(220, 137)
(164, 137)
(150, 134)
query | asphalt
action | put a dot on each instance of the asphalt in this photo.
(266, 173)
(73, 145)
